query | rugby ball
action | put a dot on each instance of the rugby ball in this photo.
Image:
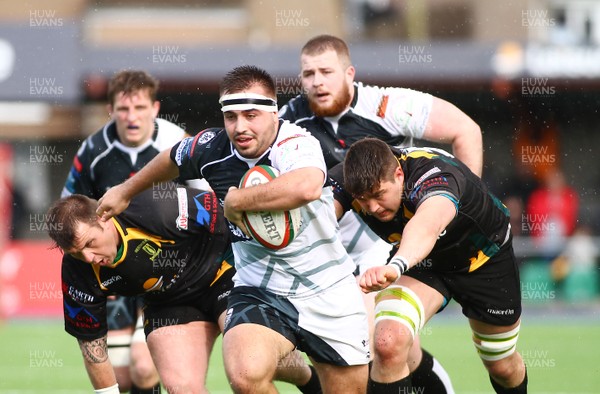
(274, 230)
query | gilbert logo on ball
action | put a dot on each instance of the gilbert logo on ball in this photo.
(272, 229)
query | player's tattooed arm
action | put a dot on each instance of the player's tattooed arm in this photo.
(97, 363)
(94, 351)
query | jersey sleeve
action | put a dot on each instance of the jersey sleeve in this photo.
(84, 304)
(336, 178)
(296, 148)
(404, 111)
(176, 209)
(203, 211)
(79, 178)
(182, 154)
(435, 179)
(189, 154)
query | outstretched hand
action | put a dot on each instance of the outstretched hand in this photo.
(112, 203)
(378, 278)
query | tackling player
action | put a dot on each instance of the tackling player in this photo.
(452, 240)
(132, 137)
(174, 251)
(339, 111)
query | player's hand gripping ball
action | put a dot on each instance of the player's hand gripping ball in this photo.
(276, 229)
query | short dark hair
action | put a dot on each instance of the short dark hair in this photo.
(64, 215)
(367, 163)
(243, 77)
(325, 42)
(129, 81)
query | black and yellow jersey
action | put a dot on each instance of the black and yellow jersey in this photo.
(481, 224)
(173, 246)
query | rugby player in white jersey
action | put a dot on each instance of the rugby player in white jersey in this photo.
(303, 295)
(339, 111)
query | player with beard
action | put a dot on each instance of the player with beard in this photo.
(131, 139)
(339, 111)
(303, 295)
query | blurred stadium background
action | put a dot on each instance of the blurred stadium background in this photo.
(527, 71)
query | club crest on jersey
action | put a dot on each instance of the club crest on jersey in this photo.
(205, 137)
(149, 249)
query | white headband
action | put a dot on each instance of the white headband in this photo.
(245, 101)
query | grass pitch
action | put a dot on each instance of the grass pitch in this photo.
(560, 346)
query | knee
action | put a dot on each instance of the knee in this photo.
(142, 369)
(507, 369)
(183, 381)
(144, 374)
(246, 380)
(392, 342)
(246, 383)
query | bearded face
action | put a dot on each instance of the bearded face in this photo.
(330, 104)
(327, 82)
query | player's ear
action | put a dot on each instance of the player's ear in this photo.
(350, 73)
(104, 224)
(109, 109)
(155, 108)
(399, 174)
